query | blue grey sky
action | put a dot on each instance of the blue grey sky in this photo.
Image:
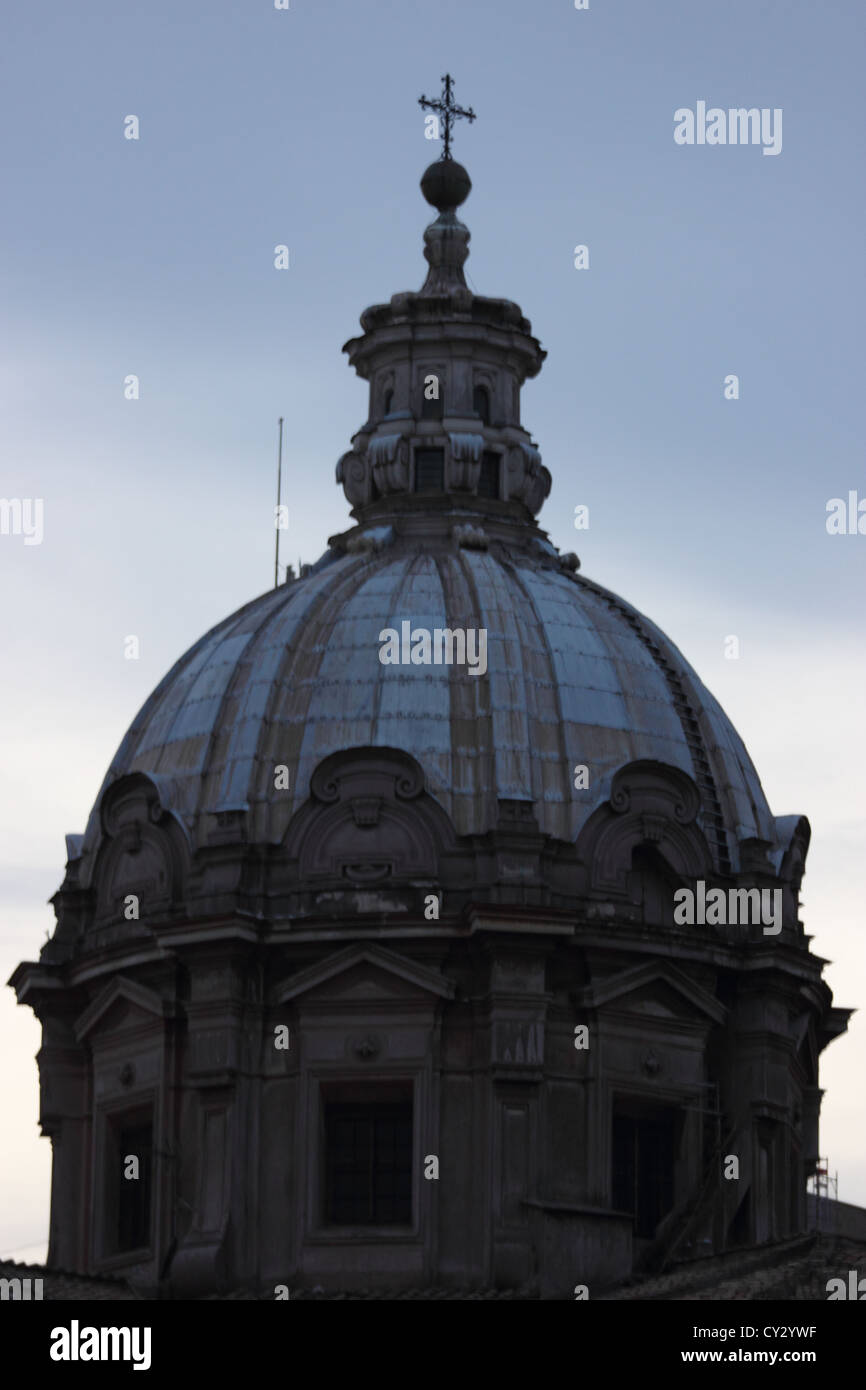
(156, 257)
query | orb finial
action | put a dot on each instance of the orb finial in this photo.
(446, 184)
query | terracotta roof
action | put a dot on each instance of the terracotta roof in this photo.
(795, 1271)
(790, 1271)
(59, 1285)
(62, 1286)
(391, 1295)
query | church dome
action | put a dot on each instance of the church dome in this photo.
(444, 483)
(574, 676)
(436, 849)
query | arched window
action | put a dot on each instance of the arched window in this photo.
(481, 403)
(388, 401)
(429, 470)
(488, 477)
(432, 392)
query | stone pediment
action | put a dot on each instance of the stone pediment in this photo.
(654, 990)
(369, 823)
(121, 1005)
(143, 850)
(365, 972)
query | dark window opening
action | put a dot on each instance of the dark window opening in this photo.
(652, 885)
(739, 1230)
(488, 478)
(481, 403)
(368, 1162)
(643, 1167)
(764, 1181)
(429, 470)
(388, 402)
(432, 409)
(132, 1196)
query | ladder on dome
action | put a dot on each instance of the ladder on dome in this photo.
(711, 818)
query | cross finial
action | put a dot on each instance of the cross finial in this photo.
(449, 112)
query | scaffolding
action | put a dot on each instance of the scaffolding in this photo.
(680, 1232)
(823, 1188)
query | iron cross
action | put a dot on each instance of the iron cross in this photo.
(449, 112)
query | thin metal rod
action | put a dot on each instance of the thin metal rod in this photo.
(279, 494)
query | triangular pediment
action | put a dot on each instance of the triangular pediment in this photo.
(125, 1001)
(658, 1000)
(657, 990)
(366, 972)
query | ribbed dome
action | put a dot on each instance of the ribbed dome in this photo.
(575, 675)
(444, 482)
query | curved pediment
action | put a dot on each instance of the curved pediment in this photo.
(368, 821)
(143, 854)
(651, 805)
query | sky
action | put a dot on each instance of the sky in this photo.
(154, 257)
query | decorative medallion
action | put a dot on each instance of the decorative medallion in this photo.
(651, 1063)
